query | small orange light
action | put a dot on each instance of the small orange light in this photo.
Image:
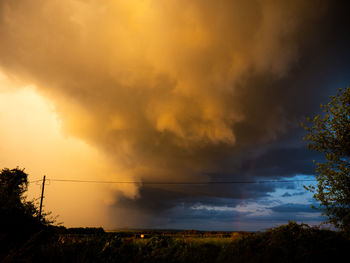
(142, 235)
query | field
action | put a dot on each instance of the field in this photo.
(289, 243)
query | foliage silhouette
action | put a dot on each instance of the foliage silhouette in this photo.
(18, 220)
(330, 135)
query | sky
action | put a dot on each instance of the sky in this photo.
(169, 91)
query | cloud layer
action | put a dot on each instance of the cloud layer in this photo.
(177, 91)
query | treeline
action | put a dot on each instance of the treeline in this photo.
(80, 230)
(288, 243)
(147, 233)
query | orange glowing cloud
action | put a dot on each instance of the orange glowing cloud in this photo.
(157, 86)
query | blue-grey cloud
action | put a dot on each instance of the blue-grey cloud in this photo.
(287, 194)
(294, 208)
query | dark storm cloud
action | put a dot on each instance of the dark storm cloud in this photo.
(223, 217)
(153, 200)
(156, 201)
(281, 162)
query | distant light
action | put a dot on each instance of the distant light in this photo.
(142, 235)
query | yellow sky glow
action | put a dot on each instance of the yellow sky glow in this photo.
(31, 138)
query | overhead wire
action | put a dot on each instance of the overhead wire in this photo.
(175, 183)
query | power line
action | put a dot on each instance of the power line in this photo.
(176, 183)
(35, 181)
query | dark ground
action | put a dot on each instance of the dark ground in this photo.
(288, 243)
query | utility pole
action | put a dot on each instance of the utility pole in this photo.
(42, 196)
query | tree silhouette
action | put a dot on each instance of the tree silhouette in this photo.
(330, 135)
(18, 217)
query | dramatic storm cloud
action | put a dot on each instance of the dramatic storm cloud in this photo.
(180, 91)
